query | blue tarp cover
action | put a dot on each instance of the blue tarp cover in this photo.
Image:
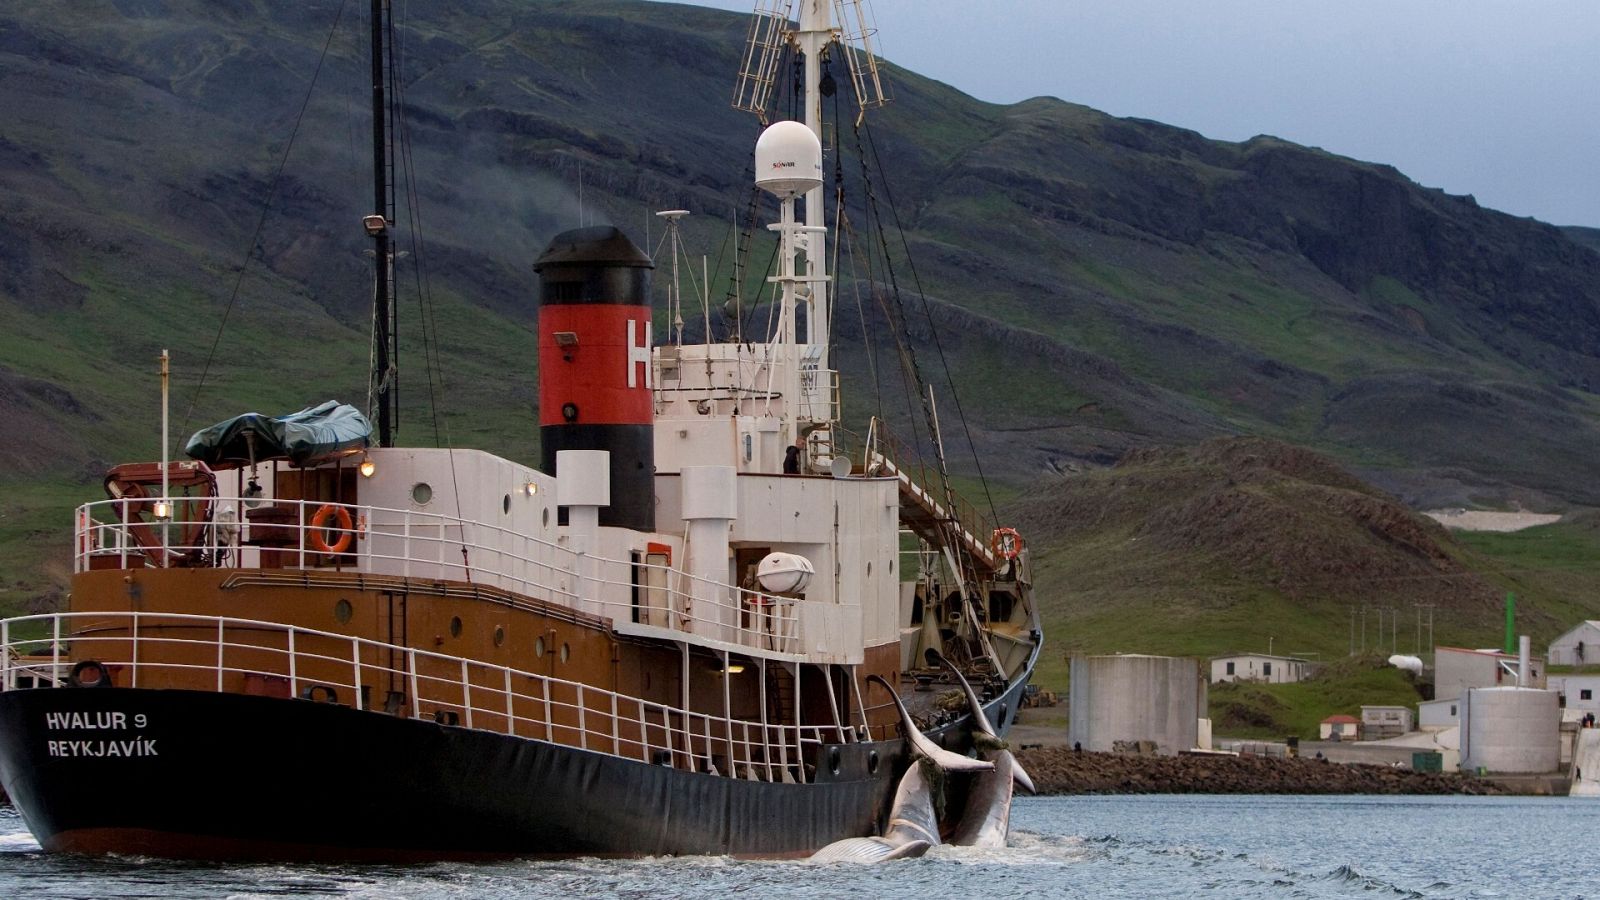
(320, 432)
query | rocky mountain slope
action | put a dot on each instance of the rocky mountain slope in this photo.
(1097, 283)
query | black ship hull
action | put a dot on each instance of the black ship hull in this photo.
(189, 774)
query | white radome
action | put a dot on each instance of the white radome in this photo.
(788, 160)
(784, 573)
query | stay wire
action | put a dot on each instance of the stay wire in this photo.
(261, 220)
(428, 319)
(933, 329)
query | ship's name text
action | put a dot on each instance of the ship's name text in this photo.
(135, 747)
(138, 745)
(94, 721)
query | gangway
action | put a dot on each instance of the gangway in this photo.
(926, 515)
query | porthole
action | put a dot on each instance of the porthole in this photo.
(499, 635)
(421, 493)
(869, 570)
(891, 567)
(505, 505)
(566, 651)
(833, 760)
(342, 611)
(538, 647)
(455, 626)
(546, 517)
(872, 762)
(1003, 722)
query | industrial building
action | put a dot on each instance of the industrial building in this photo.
(1577, 692)
(1437, 715)
(1578, 647)
(1128, 698)
(1262, 667)
(1457, 670)
(1379, 722)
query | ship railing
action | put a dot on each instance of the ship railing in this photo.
(409, 543)
(222, 654)
(884, 454)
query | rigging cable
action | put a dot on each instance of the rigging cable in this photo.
(261, 220)
(927, 312)
(428, 319)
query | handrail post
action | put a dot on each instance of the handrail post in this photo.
(616, 746)
(355, 658)
(466, 692)
(583, 722)
(55, 651)
(294, 681)
(549, 726)
(221, 646)
(5, 654)
(416, 698)
(511, 716)
(300, 509)
(135, 675)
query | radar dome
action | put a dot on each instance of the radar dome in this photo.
(788, 159)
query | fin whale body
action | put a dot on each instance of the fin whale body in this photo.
(913, 825)
(986, 821)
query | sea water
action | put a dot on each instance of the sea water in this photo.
(1099, 847)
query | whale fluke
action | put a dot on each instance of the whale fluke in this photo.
(922, 746)
(980, 720)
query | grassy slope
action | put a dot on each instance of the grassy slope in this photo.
(1117, 581)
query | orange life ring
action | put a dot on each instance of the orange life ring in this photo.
(326, 517)
(1006, 543)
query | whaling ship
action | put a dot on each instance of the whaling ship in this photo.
(302, 642)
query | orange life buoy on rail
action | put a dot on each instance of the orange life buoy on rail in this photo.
(1006, 542)
(326, 517)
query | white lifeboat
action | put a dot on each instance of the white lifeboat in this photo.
(784, 573)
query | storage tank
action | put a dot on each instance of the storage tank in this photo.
(1511, 730)
(1132, 697)
(594, 364)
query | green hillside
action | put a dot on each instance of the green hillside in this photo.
(1099, 287)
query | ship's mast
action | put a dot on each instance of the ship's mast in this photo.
(377, 226)
(815, 34)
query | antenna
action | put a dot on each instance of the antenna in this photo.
(674, 290)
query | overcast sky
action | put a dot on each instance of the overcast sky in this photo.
(1495, 98)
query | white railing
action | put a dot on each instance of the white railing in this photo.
(230, 655)
(409, 543)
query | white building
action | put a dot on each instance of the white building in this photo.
(1438, 715)
(1260, 667)
(1579, 692)
(1578, 647)
(1457, 670)
(1340, 728)
(1378, 722)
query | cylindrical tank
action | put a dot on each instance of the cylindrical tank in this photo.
(594, 364)
(1136, 698)
(1511, 730)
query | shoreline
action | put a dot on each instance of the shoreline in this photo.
(1059, 771)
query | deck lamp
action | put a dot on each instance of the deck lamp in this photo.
(368, 467)
(163, 509)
